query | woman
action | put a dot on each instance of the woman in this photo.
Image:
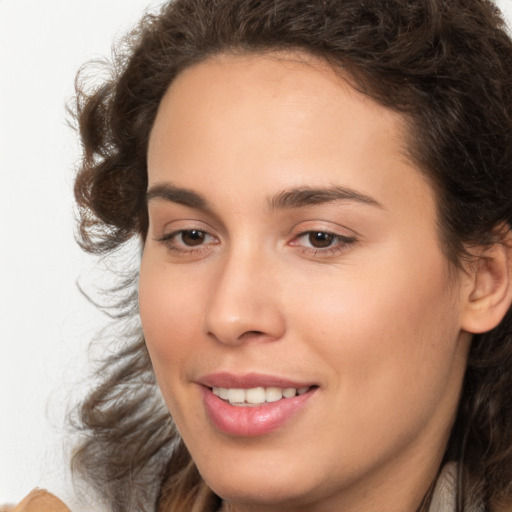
(322, 192)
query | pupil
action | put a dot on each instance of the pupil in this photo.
(192, 237)
(319, 239)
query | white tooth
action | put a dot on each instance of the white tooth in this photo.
(223, 393)
(255, 395)
(289, 392)
(236, 396)
(216, 391)
(301, 391)
(273, 394)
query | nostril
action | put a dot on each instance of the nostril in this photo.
(249, 334)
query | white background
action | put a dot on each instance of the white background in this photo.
(45, 324)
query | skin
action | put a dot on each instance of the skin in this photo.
(373, 317)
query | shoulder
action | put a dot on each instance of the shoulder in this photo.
(38, 500)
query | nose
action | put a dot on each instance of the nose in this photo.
(244, 304)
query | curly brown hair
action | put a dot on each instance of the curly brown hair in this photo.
(446, 65)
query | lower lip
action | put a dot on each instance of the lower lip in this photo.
(253, 420)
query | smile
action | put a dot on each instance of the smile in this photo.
(254, 404)
(256, 396)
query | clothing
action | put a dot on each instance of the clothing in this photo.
(443, 498)
(38, 500)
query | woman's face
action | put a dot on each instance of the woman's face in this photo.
(293, 248)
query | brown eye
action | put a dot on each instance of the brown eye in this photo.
(322, 243)
(193, 237)
(320, 240)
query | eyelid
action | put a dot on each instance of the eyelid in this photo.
(322, 226)
(165, 229)
(172, 234)
(344, 238)
(170, 231)
(187, 253)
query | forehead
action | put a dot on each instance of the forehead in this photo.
(285, 92)
(277, 120)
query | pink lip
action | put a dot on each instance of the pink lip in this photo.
(255, 420)
(249, 380)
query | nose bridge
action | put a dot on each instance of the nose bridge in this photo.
(243, 303)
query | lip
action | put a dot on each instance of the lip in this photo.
(250, 380)
(257, 420)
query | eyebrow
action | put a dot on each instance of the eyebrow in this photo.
(308, 196)
(287, 199)
(184, 196)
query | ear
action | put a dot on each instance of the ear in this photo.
(488, 295)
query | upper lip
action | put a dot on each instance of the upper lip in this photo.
(249, 380)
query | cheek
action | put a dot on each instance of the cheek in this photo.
(389, 332)
(169, 321)
(388, 343)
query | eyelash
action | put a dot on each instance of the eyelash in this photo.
(339, 243)
(169, 241)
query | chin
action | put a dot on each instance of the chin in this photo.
(262, 492)
(266, 482)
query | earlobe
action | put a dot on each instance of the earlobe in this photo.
(489, 296)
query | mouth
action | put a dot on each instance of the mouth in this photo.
(253, 405)
(256, 396)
